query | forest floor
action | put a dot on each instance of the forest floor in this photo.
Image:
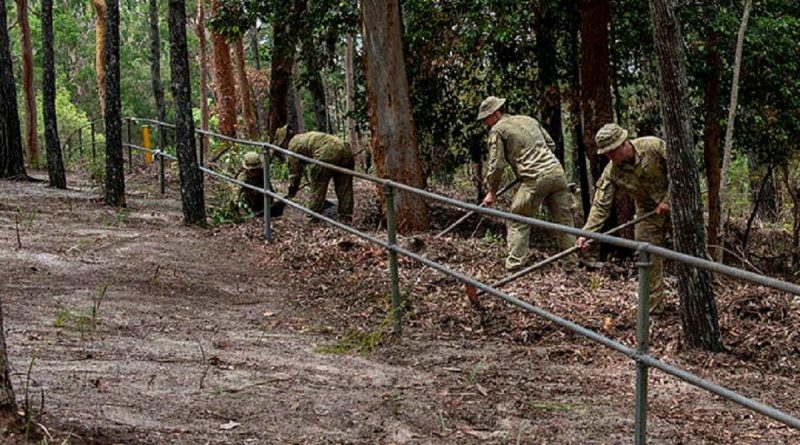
(127, 327)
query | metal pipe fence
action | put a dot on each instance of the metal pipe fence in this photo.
(640, 354)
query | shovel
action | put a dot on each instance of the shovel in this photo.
(473, 293)
(472, 212)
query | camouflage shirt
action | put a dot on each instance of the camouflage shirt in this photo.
(315, 145)
(645, 179)
(521, 143)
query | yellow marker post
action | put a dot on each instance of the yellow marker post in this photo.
(148, 154)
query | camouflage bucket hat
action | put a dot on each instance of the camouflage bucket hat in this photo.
(251, 160)
(280, 135)
(609, 138)
(489, 106)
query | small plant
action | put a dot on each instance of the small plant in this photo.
(472, 377)
(83, 321)
(362, 342)
(119, 218)
(594, 282)
(28, 410)
(492, 238)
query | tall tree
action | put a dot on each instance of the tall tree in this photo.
(711, 126)
(349, 86)
(737, 66)
(200, 30)
(283, 54)
(31, 141)
(100, 52)
(224, 79)
(12, 161)
(698, 306)
(248, 113)
(193, 202)
(312, 78)
(393, 137)
(155, 62)
(55, 163)
(547, 59)
(115, 172)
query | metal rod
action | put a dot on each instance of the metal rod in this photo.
(468, 214)
(558, 256)
(388, 192)
(642, 346)
(267, 197)
(94, 145)
(130, 151)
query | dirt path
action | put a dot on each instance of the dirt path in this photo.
(194, 341)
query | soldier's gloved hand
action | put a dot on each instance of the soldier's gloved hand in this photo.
(662, 209)
(582, 243)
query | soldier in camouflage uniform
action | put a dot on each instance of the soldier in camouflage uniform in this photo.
(253, 175)
(638, 167)
(521, 143)
(326, 148)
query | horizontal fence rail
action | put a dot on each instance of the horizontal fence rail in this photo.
(639, 354)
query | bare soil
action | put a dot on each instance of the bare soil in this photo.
(129, 327)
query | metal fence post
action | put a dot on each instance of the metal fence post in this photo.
(130, 149)
(94, 145)
(80, 142)
(267, 198)
(642, 345)
(388, 192)
(161, 180)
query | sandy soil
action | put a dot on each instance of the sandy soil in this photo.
(212, 337)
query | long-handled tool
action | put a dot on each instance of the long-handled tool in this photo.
(472, 212)
(473, 293)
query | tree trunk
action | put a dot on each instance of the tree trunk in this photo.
(254, 47)
(595, 84)
(546, 56)
(31, 141)
(726, 157)
(711, 127)
(698, 306)
(314, 83)
(248, 112)
(12, 160)
(295, 103)
(224, 81)
(283, 50)
(393, 136)
(192, 199)
(155, 62)
(100, 52)
(349, 86)
(200, 29)
(579, 152)
(55, 163)
(115, 174)
(762, 188)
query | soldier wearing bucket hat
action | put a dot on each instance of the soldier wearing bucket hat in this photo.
(523, 144)
(638, 167)
(254, 175)
(326, 148)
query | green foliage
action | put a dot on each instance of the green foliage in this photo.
(492, 238)
(83, 320)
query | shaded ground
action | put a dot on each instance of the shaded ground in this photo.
(211, 336)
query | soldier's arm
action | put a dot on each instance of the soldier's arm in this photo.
(602, 203)
(497, 162)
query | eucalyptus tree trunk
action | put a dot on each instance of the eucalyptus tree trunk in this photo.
(115, 174)
(100, 52)
(728, 148)
(712, 129)
(313, 80)
(546, 56)
(283, 54)
(12, 160)
(579, 157)
(224, 80)
(192, 198)
(698, 306)
(55, 163)
(295, 103)
(28, 90)
(393, 136)
(254, 47)
(155, 62)
(200, 29)
(249, 114)
(349, 87)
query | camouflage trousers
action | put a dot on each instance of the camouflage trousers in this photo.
(342, 183)
(552, 191)
(654, 230)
